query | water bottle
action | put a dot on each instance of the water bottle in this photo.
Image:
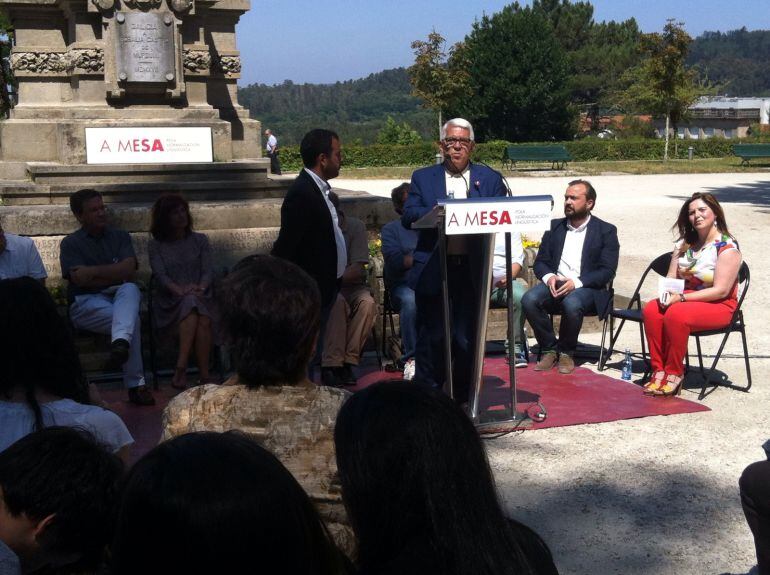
(450, 195)
(626, 373)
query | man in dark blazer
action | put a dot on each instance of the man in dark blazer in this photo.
(457, 177)
(310, 235)
(576, 261)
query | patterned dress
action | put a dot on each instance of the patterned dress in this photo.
(697, 268)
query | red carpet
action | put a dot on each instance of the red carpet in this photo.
(582, 397)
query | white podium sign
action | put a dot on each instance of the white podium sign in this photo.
(148, 145)
(493, 215)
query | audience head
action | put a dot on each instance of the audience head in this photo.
(457, 142)
(58, 492)
(271, 314)
(170, 215)
(88, 207)
(217, 503)
(37, 351)
(685, 227)
(268, 132)
(320, 151)
(416, 483)
(398, 196)
(579, 199)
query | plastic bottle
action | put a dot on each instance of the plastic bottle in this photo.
(627, 368)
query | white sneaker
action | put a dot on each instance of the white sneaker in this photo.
(409, 370)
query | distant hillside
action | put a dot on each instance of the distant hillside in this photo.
(356, 109)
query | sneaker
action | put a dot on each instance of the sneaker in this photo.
(409, 370)
(566, 364)
(547, 361)
(520, 359)
(140, 396)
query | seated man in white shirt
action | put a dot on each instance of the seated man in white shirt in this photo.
(576, 261)
(499, 296)
(19, 258)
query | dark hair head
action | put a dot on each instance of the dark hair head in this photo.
(79, 198)
(271, 314)
(315, 143)
(63, 472)
(37, 351)
(397, 195)
(683, 225)
(590, 191)
(160, 227)
(416, 483)
(217, 503)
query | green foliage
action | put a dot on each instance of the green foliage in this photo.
(518, 74)
(399, 134)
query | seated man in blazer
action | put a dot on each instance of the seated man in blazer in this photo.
(456, 178)
(577, 259)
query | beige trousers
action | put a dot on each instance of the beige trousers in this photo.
(349, 325)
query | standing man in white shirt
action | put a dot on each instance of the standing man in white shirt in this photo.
(271, 148)
(577, 259)
(19, 258)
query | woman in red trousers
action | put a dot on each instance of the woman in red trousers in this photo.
(707, 258)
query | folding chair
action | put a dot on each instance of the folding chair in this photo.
(736, 325)
(631, 313)
(388, 312)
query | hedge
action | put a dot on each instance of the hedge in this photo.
(423, 154)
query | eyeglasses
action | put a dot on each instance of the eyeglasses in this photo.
(464, 142)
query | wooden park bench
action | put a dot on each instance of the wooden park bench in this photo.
(556, 154)
(748, 152)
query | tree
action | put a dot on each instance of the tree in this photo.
(393, 133)
(661, 84)
(438, 78)
(518, 75)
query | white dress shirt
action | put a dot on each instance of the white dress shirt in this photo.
(498, 262)
(342, 253)
(20, 258)
(272, 142)
(457, 184)
(572, 254)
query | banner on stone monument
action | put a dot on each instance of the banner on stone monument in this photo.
(145, 145)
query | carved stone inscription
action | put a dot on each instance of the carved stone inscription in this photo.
(145, 46)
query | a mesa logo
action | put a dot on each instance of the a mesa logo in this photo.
(135, 145)
(481, 218)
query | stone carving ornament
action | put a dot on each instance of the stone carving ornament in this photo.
(227, 65)
(91, 60)
(143, 4)
(104, 4)
(39, 62)
(196, 61)
(181, 5)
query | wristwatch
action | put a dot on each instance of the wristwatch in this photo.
(681, 298)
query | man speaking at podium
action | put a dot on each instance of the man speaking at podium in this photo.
(457, 177)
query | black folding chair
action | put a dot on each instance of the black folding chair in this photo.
(388, 311)
(736, 325)
(633, 312)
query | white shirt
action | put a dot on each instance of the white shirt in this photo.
(272, 142)
(457, 184)
(20, 258)
(339, 239)
(572, 254)
(498, 263)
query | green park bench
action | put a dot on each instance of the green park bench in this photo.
(748, 152)
(557, 155)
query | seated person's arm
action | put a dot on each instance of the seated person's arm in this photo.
(396, 261)
(104, 275)
(354, 274)
(725, 274)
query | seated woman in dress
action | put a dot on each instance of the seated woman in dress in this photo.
(707, 258)
(271, 314)
(181, 262)
(42, 383)
(419, 491)
(218, 503)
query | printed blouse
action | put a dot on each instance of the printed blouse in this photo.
(697, 267)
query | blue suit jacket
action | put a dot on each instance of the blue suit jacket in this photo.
(429, 186)
(598, 263)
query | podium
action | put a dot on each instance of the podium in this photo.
(485, 217)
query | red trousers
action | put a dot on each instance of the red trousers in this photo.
(668, 329)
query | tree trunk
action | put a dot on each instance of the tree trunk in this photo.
(665, 150)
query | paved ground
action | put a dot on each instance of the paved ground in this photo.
(656, 495)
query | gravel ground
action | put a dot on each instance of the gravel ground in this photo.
(657, 495)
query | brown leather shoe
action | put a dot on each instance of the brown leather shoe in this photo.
(547, 361)
(566, 364)
(140, 396)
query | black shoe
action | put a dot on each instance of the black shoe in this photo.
(119, 352)
(330, 377)
(346, 375)
(140, 396)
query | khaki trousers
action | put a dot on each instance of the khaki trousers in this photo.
(350, 323)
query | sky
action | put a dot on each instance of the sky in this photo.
(325, 41)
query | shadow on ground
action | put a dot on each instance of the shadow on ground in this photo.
(755, 193)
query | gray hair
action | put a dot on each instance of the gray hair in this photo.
(460, 123)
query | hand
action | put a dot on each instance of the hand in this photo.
(567, 286)
(176, 290)
(408, 261)
(673, 297)
(502, 283)
(552, 284)
(81, 275)
(199, 290)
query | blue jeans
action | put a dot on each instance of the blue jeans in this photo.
(402, 298)
(114, 312)
(538, 303)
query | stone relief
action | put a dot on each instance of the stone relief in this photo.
(91, 60)
(181, 5)
(104, 4)
(81, 60)
(142, 4)
(196, 61)
(227, 65)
